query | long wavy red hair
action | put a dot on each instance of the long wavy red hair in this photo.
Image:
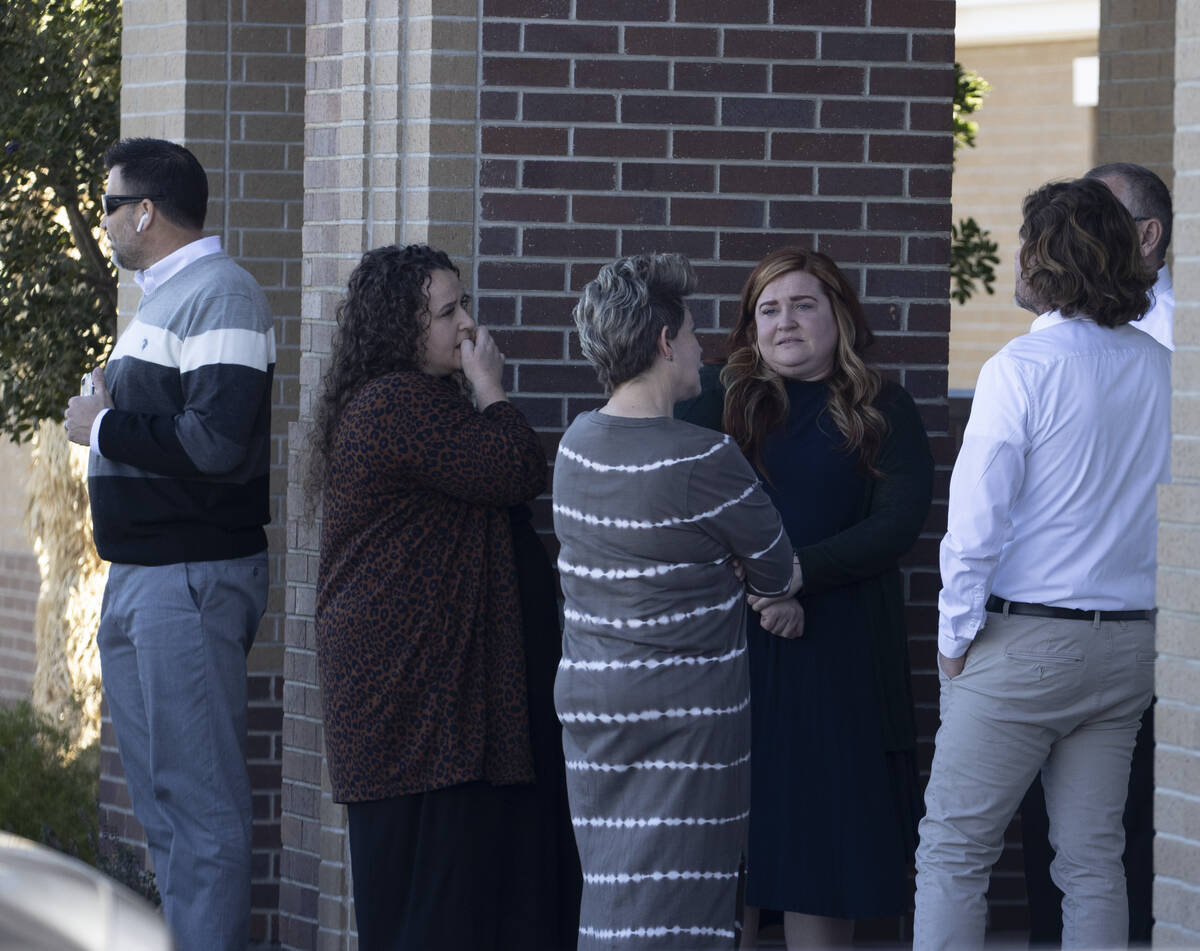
(756, 400)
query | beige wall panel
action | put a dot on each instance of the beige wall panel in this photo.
(1029, 132)
(1177, 813)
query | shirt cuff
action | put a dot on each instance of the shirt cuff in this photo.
(94, 436)
(954, 645)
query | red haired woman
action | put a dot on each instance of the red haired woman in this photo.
(845, 459)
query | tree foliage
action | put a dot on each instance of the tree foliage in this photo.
(60, 76)
(972, 258)
(969, 90)
(973, 254)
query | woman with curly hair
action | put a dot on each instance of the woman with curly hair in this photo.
(438, 713)
(845, 459)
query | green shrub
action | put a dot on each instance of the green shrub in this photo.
(119, 861)
(47, 791)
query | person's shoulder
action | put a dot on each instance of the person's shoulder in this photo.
(218, 283)
(221, 268)
(710, 453)
(648, 444)
(896, 404)
(684, 434)
(411, 390)
(890, 393)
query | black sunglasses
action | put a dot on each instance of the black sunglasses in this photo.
(111, 203)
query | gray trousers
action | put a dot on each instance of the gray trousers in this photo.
(173, 642)
(1060, 696)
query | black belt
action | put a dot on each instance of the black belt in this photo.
(1000, 606)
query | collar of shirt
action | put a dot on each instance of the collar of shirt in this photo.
(163, 270)
(1051, 319)
(1163, 282)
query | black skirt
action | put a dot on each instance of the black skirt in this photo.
(475, 867)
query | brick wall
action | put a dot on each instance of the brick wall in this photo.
(227, 80)
(1135, 119)
(1177, 717)
(19, 582)
(19, 578)
(539, 139)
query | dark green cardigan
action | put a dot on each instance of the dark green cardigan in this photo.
(867, 554)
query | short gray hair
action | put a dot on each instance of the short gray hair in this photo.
(1148, 194)
(621, 313)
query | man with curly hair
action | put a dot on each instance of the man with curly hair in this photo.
(1145, 196)
(1046, 629)
(179, 426)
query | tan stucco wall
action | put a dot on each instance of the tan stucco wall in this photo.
(1029, 132)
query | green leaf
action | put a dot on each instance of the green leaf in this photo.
(972, 258)
(969, 90)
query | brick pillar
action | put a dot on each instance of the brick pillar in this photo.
(1177, 717)
(227, 81)
(390, 151)
(19, 579)
(1135, 117)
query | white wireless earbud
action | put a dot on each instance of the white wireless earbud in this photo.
(142, 222)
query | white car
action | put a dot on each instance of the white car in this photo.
(52, 902)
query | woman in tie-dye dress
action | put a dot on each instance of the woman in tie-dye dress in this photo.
(653, 689)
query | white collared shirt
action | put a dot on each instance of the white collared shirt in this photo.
(1160, 319)
(149, 280)
(162, 270)
(1053, 494)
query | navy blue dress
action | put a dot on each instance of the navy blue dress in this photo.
(826, 837)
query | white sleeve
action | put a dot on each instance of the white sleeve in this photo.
(94, 435)
(987, 478)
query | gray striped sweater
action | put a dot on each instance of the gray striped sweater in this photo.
(185, 454)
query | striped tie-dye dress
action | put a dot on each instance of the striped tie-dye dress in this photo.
(653, 689)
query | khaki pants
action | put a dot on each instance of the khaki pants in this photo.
(1060, 696)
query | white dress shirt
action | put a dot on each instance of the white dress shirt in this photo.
(151, 278)
(1052, 499)
(1160, 320)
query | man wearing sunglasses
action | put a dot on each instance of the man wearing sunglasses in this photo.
(179, 428)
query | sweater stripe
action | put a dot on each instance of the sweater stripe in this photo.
(672, 713)
(584, 766)
(620, 574)
(610, 522)
(684, 660)
(644, 467)
(247, 348)
(633, 623)
(637, 878)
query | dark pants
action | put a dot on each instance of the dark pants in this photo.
(1045, 900)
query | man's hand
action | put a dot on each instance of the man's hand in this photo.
(952, 666)
(83, 410)
(783, 618)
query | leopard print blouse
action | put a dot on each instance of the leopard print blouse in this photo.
(417, 616)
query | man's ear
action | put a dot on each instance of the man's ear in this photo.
(1150, 233)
